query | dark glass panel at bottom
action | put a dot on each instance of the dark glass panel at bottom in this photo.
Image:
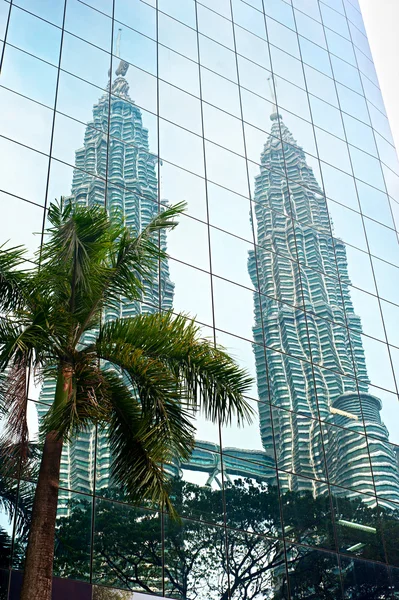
(255, 565)
(252, 503)
(358, 524)
(389, 514)
(127, 547)
(394, 574)
(194, 561)
(362, 580)
(307, 513)
(4, 575)
(313, 575)
(73, 535)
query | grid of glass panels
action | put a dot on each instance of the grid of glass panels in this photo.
(267, 118)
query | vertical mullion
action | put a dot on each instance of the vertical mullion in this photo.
(211, 284)
(159, 307)
(258, 291)
(5, 36)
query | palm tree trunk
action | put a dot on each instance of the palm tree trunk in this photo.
(38, 572)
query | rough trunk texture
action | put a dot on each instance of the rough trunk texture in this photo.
(38, 573)
(40, 552)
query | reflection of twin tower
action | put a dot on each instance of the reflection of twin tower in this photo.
(123, 160)
(119, 167)
(298, 265)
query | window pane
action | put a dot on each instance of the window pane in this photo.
(29, 76)
(25, 121)
(133, 13)
(226, 169)
(220, 92)
(249, 18)
(252, 47)
(177, 36)
(51, 10)
(34, 166)
(223, 129)
(281, 12)
(310, 570)
(174, 142)
(287, 66)
(178, 70)
(216, 57)
(359, 134)
(183, 11)
(89, 24)
(282, 37)
(310, 29)
(26, 32)
(315, 56)
(171, 100)
(215, 26)
(346, 74)
(119, 529)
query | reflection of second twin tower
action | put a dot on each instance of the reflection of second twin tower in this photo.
(309, 355)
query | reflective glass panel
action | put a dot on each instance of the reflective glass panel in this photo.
(249, 18)
(252, 46)
(183, 11)
(310, 29)
(371, 577)
(177, 36)
(216, 57)
(315, 56)
(117, 548)
(283, 37)
(215, 26)
(203, 567)
(311, 571)
(47, 9)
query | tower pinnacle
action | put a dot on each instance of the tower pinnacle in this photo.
(274, 115)
(123, 65)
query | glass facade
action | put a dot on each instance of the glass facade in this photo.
(267, 118)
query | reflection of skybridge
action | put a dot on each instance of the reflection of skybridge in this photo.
(207, 458)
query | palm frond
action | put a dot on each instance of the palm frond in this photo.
(210, 379)
(135, 257)
(161, 397)
(33, 336)
(74, 256)
(138, 451)
(80, 237)
(87, 404)
(14, 403)
(14, 502)
(12, 278)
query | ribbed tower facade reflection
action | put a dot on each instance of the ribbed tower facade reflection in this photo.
(114, 168)
(304, 309)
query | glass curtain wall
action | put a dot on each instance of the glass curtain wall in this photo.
(267, 118)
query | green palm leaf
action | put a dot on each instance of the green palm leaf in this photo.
(209, 379)
(138, 446)
(14, 288)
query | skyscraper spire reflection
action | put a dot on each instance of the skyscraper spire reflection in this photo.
(114, 168)
(313, 369)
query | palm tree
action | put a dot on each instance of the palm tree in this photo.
(141, 379)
